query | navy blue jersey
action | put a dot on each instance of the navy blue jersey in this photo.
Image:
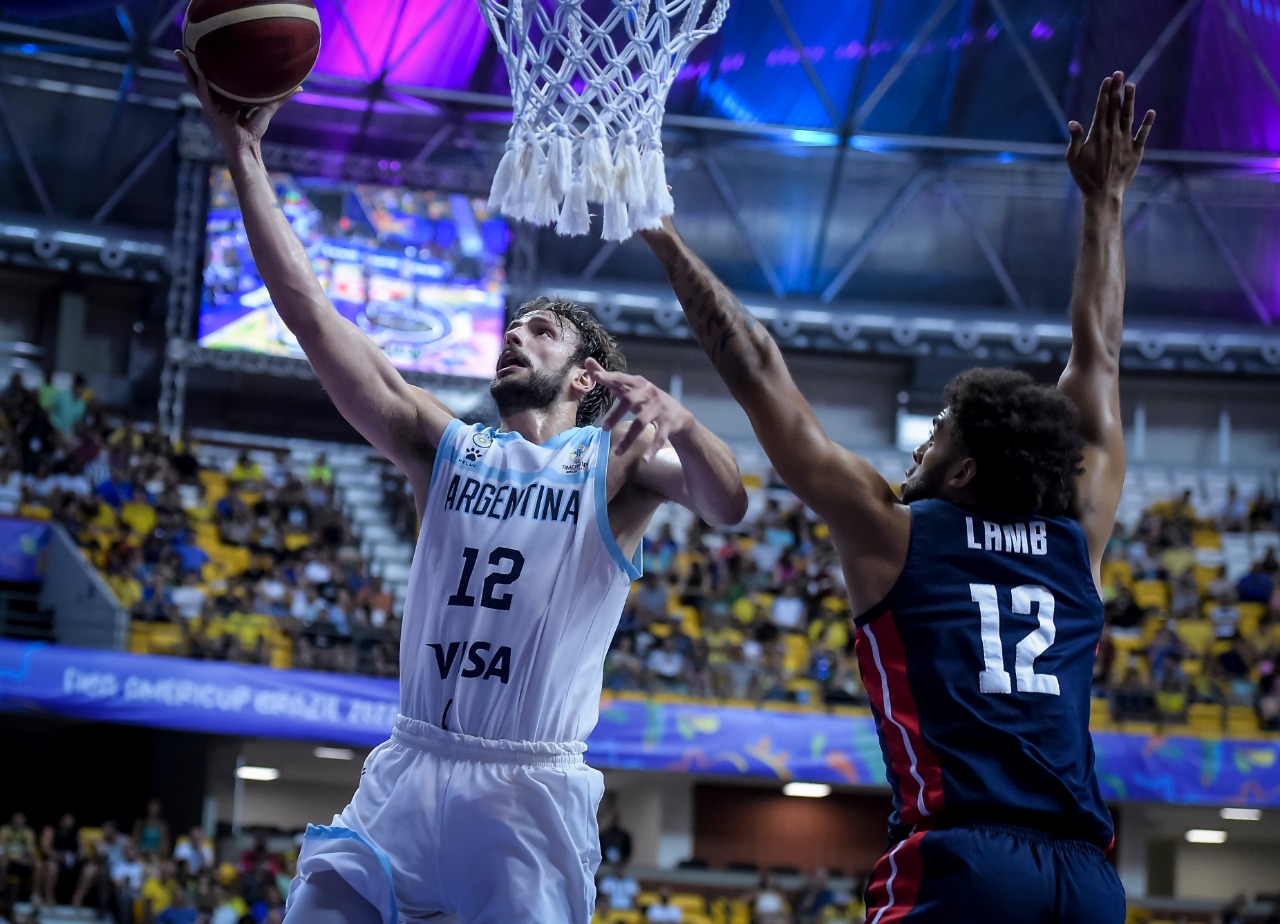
(979, 664)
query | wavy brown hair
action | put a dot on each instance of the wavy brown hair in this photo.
(1024, 438)
(593, 341)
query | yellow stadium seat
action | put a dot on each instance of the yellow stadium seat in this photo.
(282, 656)
(1206, 539)
(629, 916)
(807, 692)
(1197, 635)
(692, 917)
(1149, 594)
(215, 486)
(689, 903)
(166, 638)
(1251, 615)
(1205, 717)
(1117, 569)
(139, 637)
(1099, 713)
(91, 838)
(1205, 575)
(646, 898)
(1241, 720)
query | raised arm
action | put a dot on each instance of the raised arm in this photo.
(1103, 164)
(403, 422)
(667, 451)
(870, 527)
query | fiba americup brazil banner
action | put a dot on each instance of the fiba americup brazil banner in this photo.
(233, 699)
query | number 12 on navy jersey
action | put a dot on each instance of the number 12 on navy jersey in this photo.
(994, 678)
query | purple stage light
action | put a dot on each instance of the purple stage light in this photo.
(431, 43)
(1042, 31)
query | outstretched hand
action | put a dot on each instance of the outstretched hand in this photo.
(648, 403)
(237, 126)
(1105, 161)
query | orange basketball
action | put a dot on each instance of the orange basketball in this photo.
(252, 51)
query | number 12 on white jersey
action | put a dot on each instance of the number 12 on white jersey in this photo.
(994, 678)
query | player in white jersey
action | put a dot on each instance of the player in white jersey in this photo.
(479, 809)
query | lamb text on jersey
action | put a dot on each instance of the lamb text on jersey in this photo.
(1020, 538)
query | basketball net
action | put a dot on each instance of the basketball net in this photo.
(588, 99)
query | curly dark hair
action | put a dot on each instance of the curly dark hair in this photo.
(593, 341)
(1025, 439)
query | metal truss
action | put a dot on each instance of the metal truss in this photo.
(923, 331)
(196, 143)
(444, 150)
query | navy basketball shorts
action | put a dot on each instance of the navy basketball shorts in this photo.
(446, 827)
(993, 874)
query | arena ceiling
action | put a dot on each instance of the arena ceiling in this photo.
(900, 158)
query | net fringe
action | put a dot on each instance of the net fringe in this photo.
(588, 99)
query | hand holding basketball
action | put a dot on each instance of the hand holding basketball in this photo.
(1105, 162)
(237, 126)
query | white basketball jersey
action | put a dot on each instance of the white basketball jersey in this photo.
(516, 588)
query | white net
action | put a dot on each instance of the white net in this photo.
(588, 98)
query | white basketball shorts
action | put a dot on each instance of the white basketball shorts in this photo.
(447, 827)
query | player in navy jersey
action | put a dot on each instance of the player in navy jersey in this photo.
(479, 808)
(978, 591)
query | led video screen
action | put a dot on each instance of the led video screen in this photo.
(420, 272)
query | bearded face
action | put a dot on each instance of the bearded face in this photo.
(923, 483)
(518, 387)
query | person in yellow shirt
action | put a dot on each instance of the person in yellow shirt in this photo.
(319, 471)
(138, 516)
(157, 891)
(246, 473)
(126, 587)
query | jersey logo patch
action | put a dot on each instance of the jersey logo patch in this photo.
(576, 463)
(479, 443)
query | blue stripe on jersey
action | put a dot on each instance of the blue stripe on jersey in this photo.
(559, 441)
(444, 451)
(338, 833)
(601, 476)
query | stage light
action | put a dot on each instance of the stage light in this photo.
(335, 753)
(807, 790)
(258, 774)
(1241, 814)
(1205, 836)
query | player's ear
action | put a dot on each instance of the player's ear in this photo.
(963, 472)
(581, 384)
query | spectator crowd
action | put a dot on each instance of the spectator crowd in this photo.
(138, 877)
(253, 560)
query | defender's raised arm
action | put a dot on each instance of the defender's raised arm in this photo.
(403, 422)
(1103, 164)
(870, 527)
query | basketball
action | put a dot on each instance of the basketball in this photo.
(252, 51)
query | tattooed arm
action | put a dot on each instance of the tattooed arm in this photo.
(871, 529)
